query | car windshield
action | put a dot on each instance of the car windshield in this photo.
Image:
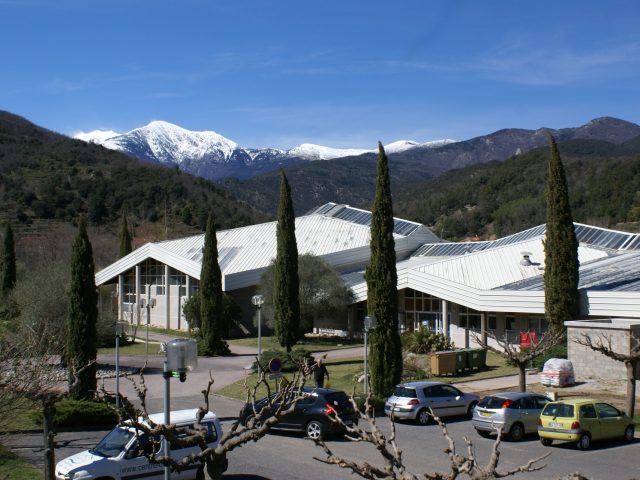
(558, 410)
(492, 403)
(113, 443)
(405, 392)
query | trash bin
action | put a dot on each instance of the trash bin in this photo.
(461, 359)
(476, 358)
(443, 363)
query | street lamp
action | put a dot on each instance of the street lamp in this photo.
(258, 300)
(369, 323)
(120, 329)
(181, 356)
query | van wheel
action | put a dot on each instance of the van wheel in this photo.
(516, 433)
(629, 434)
(546, 442)
(585, 442)
(472, 406)
(423, 417)
(200, 473)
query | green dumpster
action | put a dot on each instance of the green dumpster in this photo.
(461, 359)
(443, 363)
(476, 358)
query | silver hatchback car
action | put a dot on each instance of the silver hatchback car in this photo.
(515, 413)
(412, 401)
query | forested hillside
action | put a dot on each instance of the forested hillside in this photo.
(499, 198)
(47, 178)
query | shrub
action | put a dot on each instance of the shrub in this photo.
(80, 413)
(426, 341)
(376, 402)
(290, 360)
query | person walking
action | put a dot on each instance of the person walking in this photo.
(319, 372)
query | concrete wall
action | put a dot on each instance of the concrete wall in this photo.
(588, 364)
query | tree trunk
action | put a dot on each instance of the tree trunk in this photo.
(522, 377)
(631, 388)
(48, 411)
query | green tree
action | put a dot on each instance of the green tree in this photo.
(231, 312)
(323, 294)
(8, 261)
(126, 244)
(83, 317)
(286, 300)
(211, 295)
(560, 248)
(385, 351)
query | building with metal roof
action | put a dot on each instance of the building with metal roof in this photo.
(166, 273)
(455, 288)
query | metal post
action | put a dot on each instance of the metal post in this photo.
(146, 349)
(167, 417)
(366, 373)
(117, 370)
(259, 335)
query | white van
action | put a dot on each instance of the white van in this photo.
(118, 456)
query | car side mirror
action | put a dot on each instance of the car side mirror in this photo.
(458, 397)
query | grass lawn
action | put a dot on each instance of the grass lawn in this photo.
(139, 347)
(312, 344)
(343, 373)
(15, 468)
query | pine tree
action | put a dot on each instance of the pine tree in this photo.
(8, 261)
(210, 293)
(561, 272)
(126, 246)
(286, 293)
(385, 351)
(83, 317)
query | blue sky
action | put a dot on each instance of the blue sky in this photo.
(337, 73)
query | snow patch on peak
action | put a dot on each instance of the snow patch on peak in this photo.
(96, 136)
(318, 152)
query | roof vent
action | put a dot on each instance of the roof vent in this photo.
(526, 259)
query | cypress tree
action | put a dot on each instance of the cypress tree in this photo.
(8, 261)
(83, 317)
(561, 274)
(126, 244)
(385, 351)
(211, 294)
(286, 293)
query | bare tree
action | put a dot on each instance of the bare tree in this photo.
(602, 344)
(521, 358)
(393, 466)
(214, 459)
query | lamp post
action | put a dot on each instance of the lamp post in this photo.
(120, 327)
(369, 323)
(258, 300)
(181, 356)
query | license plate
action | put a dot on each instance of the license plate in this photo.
(555, 425)
(485, 414)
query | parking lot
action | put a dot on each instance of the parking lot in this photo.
(291, 456)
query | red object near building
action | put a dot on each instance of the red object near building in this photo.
(528, 339)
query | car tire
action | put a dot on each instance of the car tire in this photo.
(472, 406)
(315, 430)
(584, 442)
(423, 417)
(629, 434)
(516, 432)
(546, 442)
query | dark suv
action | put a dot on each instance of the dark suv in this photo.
(311, 413)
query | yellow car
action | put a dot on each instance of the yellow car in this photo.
(582, 420)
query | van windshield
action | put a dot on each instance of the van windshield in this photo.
(113, 443)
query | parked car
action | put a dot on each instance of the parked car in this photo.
(583, 420)
(121, 454)
(412, 401)
(516, 414)
(311, 414)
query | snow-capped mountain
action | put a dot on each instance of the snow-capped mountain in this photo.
(210, 155)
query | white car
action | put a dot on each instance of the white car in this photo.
(119, 455)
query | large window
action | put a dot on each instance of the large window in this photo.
(422, 310)
(152, 277)
(469, 318)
